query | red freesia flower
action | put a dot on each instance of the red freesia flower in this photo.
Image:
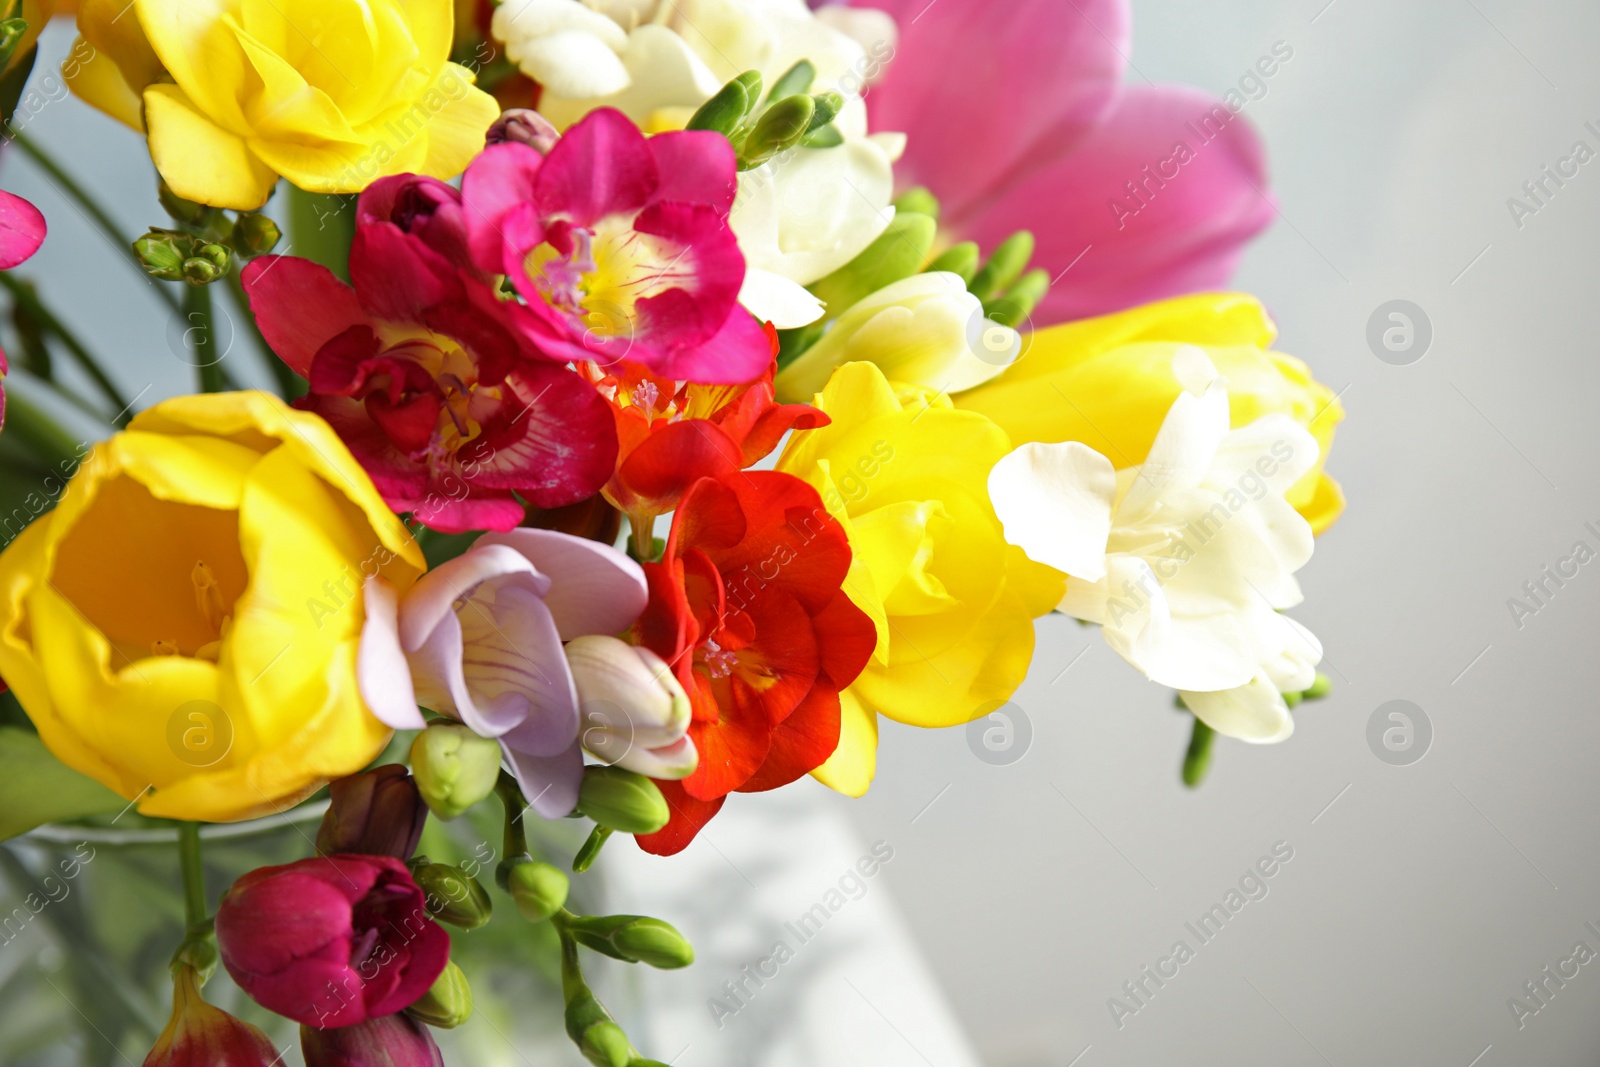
(621, 247)
(198, 1035)
(331, 941)
(672, 433)
(420, 370)
(747, 606)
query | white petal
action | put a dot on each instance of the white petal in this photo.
(1054, 501)
(572, 63)
(382, 673)
(1184, 446)
(1274, 450)
(775, 299)
(1254, 712)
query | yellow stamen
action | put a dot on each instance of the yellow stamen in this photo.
(208, 596)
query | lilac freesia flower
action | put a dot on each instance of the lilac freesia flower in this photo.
(479, 638)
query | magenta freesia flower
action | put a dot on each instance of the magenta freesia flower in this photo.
(621, 247)
(331, 941)
(22, 230)
(480, 637)
(391, 1041)
(1017, 118)
(422, 372)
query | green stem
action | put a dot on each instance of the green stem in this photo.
(321, 227)
(516, 836)
(195, 910)
(202, 338)
(32, 305)
(92, 208)
(290, 385)
(28, 424)
(1197, 760)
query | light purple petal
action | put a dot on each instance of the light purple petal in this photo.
(514, 669)
(435, 594)
(382, 673)
(550, 783)
(594, 589)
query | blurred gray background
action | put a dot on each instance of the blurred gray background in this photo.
(1419, 898)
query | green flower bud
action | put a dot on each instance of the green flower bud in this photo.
(751, 80)
(184, 211)
(919, 201)
(452, 896)
(605, 1045)
(162, 255)
(200, 270)
(1197, 760)
(448, 1003)
(780, 128)
(1014, 308)
(539, 889)
(897, 253)
(622, 800)
(725, 110)
(1292, 699)
(959, 259)
(797, 79)
(255, 234)
(454, 767)
(1319, 688)
(11, 33)
(633, 938)
(1008, 261)
(826, 107)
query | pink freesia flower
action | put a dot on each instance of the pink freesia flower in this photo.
(420, 370)
(479, 638)
(621, 247)
(1017, 118)
(22, 231)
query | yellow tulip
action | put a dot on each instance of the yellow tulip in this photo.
(331, 94)
(183, 627)
(907, 476)
(1108, 383)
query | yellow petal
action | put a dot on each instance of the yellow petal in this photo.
(199, 159)
(851, 767)
(457, 126)
(197, 42)
(98, 82)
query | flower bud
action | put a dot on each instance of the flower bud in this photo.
(376, 813)
(184, 211)
(453, 896)
(897, 253)
(633, 938)
(797, 79)
(454, 768)
(198, 1035)
(201, 270)
(1319, 688)
(539, 889)
(627, 692)
(389, 1041)
(255, 234)
(622, 800)
(592, 1029)
(448, 1003)
(1018, 303)
(1007, 262)
(781, 127)
(162, 255)
(521, 125)
(959, 259)
(920, 201)
(728, 106)
(923, 330)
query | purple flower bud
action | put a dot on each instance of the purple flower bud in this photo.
(524, 126)
(388, 1041)
(376, 813)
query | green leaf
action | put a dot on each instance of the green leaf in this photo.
(36, 788)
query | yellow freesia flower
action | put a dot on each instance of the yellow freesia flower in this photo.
(907, 476)
(331, 94)
(183, 627)
(1108, 382)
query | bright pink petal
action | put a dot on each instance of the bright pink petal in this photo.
(601, 166)
(22, 229)
(1183, 231)
(397, 277)
(553, 440)
(300, 306)
(981, 89)
(498, 181)
(444, 509)
(696, 167)
(739, 353)
(594, 589)
(708, 267)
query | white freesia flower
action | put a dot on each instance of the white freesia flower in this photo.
(923, 330)
(1187, 560)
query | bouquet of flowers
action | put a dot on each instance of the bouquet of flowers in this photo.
(665, 391)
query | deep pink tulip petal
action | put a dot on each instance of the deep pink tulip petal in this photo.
(426, 950)
(553, 440)
(601, 166)
(496, 183)
(696, 166)
(981, 88)
(300, 306)
(601, 591)
(1184, 231)
(320, 993)
(269, 926)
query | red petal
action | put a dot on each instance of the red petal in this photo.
(802, 744)
(553, 441)
(654, 476)
(299, 306)
(688, 816)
